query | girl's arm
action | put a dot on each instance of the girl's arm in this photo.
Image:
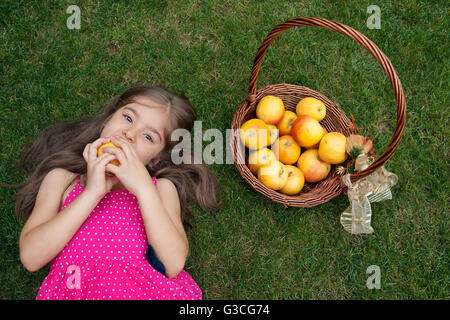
(160, 208)
(46, 231)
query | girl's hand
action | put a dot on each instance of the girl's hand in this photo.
(131, 172)
(98, 182)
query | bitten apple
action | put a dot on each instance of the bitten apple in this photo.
(100, 152)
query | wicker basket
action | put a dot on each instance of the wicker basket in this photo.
(312, 194)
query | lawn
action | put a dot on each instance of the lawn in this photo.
(253, 248)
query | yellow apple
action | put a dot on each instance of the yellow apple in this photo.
(273, 130)
(307, 131)
(332, 148)
(295, 181)
(316, 146)
(286, 122)
(311, 107)
(108, 144)
(286, 149)
(313, 168)
(270, 109)
(259, 158)
(273, 175)
(254, 134)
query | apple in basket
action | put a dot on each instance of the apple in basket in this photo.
(295, 181)
(259, 158)
(270, 109)
(310, 106)
(307, 131)
(254, 134)
(316, 146)
(273, 131)
(285, 125)
(286, 149)
(332, 148)
(313, 168)
(273, 175)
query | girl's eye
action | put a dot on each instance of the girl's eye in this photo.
(126, 117)
(149, 138)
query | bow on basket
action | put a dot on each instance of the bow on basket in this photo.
(376, 187)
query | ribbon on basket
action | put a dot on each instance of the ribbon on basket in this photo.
(356, 219)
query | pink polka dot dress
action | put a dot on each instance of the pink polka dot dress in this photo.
(105, 259)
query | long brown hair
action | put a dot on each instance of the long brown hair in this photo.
(61, 146)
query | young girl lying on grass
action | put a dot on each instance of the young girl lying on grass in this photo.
(113, 231)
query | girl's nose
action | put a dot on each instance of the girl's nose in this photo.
(129, 135)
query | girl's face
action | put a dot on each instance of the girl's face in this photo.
(142, 124)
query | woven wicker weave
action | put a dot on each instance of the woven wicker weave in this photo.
(312, 194)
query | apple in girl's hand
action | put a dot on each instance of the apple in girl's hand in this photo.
(100, 152)
(273, 175)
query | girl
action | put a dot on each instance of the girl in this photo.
(113, 231)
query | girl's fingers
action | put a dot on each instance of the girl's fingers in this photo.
(94, 146)
(128, 150)
(111, 168)
(103, 159)
(119, 153)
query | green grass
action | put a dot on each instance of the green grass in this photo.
(253, 248)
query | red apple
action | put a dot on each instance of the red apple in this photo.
(313, 168)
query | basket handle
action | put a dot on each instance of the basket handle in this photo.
(373, 49)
